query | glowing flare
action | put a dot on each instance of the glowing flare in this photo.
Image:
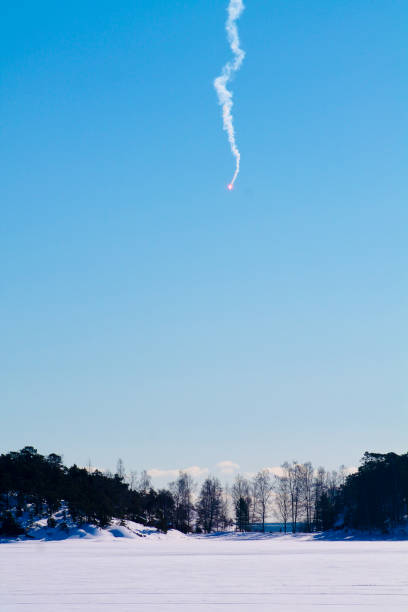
(230, 186)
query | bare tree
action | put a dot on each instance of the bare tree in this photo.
(327, 485)
(225, 520)
(262, 494)
(333, 482)
(282, 498)
(133, 480)
(293, 473)
(240, 488)
(120, 468)
(252, 502)
(342, 476)
(182, 490)
(306, 475)
(320, 487)
(145, 482)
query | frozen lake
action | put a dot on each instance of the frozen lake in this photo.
(204, 573)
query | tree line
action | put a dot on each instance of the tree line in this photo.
(299, 496)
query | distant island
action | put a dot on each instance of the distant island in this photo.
(38, 491)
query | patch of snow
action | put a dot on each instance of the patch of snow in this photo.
(65, 528)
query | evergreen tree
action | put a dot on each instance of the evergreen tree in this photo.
(242, 514)
(210, 505)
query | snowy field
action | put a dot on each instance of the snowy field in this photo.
(231, 572)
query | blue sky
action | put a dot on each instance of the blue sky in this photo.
(148, 313)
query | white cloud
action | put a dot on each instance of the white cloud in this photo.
(193, 470)
(275, 469)
(156, 473)
(249, 475)
(227, 467)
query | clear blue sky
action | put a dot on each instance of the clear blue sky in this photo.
(148, 313)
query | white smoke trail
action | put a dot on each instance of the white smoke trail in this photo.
(235, 9)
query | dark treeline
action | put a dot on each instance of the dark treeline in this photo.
(377, 495)
(34, 486)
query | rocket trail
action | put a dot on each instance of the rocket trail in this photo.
(235, 9)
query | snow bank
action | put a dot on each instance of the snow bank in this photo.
(64, 528)
(117, 529)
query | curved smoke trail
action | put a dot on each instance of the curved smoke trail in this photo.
(235, 9)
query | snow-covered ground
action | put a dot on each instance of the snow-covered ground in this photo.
(102, 571)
